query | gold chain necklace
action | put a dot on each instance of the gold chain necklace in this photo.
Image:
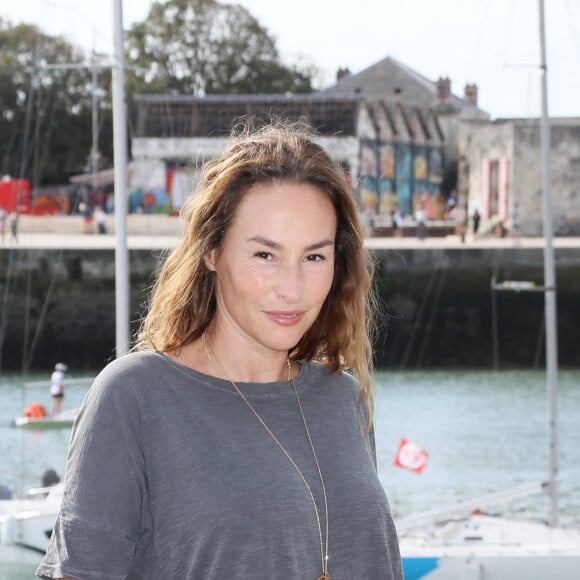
(323, 545)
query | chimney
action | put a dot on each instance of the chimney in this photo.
(342, 72)
(443, 89)
(471, 94)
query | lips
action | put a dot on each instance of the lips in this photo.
(286, 318)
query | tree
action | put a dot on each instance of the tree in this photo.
(204, 47)
(183, 47)
(45, 122)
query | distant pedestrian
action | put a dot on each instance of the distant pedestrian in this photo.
(459, 216)
(87, 214)
(421, 219)
(500, 230)
(57, 387)
(451, 203)
(476, 219)
(14, 226)
(100, 219)
(398, 221)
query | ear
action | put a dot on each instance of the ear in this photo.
(210, 259)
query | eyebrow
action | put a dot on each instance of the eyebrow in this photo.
(276, 246)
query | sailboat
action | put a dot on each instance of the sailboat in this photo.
(464, 543)
(25, 526)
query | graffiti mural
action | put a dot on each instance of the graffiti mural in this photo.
(400, 174)
(147, 187)
(404, 177)
(421, 193)
(181, 183)
(386, 183)
(367, 191)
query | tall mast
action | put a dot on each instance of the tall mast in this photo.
(120, 158)
(549, 279)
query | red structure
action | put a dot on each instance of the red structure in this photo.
(15, 195)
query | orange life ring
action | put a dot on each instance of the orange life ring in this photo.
(34, 410)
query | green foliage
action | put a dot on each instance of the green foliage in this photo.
(204, 47)
(45, 122)
(182, 47)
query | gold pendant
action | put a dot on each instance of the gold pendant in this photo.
(325, 576)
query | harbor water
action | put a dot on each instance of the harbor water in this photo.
(484, 432)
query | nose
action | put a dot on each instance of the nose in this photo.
(291, 282)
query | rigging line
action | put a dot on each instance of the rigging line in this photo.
(45, 123)
(426, 296)
(508, 32)
(495, 349)
(399, 317)
(574, 32)
(483, 27)
(47, 117)
(429, 327)
(5, 300)
(497, 269)
(24, 372)
(42, 316)
(28, 122)
(21, 172)
(540, 341)
(27, 316)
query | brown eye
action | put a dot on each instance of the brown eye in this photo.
(263, 255)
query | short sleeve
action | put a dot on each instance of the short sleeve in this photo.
(101, 516)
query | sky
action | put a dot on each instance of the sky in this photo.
(492, 43)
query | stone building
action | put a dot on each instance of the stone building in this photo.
(392, 80)
(392, 152)
(501, 165)
(392, 130)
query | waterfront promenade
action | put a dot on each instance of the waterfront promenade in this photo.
(160, 232)
(165, 241)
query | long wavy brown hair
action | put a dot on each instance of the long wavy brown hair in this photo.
(182, 302)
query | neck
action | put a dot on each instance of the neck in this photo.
(246, 365)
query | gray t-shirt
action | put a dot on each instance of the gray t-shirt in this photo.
(170, 475)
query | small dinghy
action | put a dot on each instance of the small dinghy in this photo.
(34, 417)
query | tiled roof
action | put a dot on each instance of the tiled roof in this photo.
(391, 79)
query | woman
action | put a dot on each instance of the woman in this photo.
(234, 444)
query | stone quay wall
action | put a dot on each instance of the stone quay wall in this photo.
(437, 307)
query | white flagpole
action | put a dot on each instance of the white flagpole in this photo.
(549, 280)
(120, 159)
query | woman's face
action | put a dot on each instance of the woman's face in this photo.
(276, 265)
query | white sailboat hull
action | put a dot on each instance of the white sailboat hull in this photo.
(25, 527)
(482, 547)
